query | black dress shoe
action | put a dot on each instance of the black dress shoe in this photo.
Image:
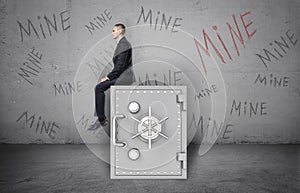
(94, 126)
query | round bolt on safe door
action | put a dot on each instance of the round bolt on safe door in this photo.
(134, 154)
(134, 107)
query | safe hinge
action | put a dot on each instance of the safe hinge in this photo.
(181, 98)
(181, 156)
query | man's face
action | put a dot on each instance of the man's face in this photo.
(116, 32)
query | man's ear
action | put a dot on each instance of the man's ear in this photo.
(121, 30)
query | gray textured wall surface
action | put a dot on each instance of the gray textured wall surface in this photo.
(239, 60)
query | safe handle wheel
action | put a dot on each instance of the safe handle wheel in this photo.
(115, 142)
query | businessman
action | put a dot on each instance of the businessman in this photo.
(121, 74)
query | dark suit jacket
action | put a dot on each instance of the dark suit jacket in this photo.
(122, 59)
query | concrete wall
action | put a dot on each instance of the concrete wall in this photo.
(243, 89)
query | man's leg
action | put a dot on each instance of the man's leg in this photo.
(100, 98)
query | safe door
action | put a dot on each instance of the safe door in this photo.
(148, 132)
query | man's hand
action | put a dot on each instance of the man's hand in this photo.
(103, 79)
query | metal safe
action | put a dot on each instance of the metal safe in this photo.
(148, 132)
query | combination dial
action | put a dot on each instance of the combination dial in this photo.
(149, 128)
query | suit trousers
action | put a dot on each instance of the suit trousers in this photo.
(100, 97)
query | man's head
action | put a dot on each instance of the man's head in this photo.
(118, 31)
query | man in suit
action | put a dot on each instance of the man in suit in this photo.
(121, 74)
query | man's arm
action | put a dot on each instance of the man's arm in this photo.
(120, 65)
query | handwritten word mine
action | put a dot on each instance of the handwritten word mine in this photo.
(40, 125)
(32, 65)
(203, 124)
(99, 22)
(159, 20)
(272, 80)
(248, 108)
(67, 88)
(233, 31)
(206, 92)
(170, 78)
(278, 48)
(100, 62)
(44, 26)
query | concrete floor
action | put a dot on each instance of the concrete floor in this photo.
(226, 168)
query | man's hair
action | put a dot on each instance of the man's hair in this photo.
(122, 26)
